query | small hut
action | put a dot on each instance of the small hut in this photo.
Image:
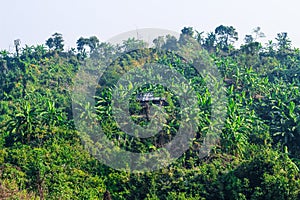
(145, 98)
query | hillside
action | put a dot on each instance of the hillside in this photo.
(47, 150)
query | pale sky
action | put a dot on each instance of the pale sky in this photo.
(34, 21)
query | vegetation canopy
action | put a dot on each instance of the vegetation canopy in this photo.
(257, 156)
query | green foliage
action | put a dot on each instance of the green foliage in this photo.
(56, 42)
(268, 175)
(257, 157)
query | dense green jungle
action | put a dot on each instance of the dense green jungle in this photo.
(44, 154)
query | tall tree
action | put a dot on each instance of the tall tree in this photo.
(283, 42)
(132, 44)
(171, 43)
(210, 42)
(50, 43)
(186, 32)
(258, 33)
(81, 42)
(56, 42)
(93, 43)
(249, 39)
(226, 36)
(250, 46)
(159, 42)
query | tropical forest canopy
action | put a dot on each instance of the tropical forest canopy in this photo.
(42, 155)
